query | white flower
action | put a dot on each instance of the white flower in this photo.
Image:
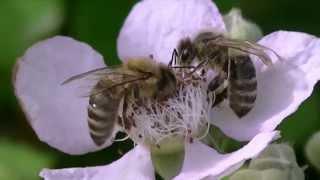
(58, 115)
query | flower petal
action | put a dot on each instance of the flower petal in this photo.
(57, 113)
(281, 88)
(155, 27)
(136, 164)
(202, 161)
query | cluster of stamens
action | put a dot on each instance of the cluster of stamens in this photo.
(184, 115)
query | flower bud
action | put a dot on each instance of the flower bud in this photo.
(278, 161)
(313, 150)
(251, 174)
(240, 28)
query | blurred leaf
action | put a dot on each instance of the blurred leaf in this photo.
(22, 23)
(302, 124)
(20, 161)
(98, 23)
(8, 173)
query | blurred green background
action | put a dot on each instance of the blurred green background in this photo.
(98, 22)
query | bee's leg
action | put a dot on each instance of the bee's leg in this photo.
(218, 85)
(220, 97)
(126, 122)
(200, 65)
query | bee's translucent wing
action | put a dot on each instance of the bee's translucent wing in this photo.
(85, 82)
(112, 83)
(248, 47)
(111, 77)
(96, 74)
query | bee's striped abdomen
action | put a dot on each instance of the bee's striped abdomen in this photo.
(242, 89)
(102, 115)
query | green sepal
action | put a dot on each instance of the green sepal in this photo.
(168, 157)
(221, 142)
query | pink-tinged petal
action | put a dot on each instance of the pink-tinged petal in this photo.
(154, 27)
(58, 114)
(136, 164)
(281, 88)
(201, 161)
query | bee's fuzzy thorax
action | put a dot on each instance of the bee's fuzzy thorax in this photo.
(143, 65)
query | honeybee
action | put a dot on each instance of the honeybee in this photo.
(137, 79)
(236, 79)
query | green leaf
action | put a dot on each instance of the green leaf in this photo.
(23, 23)
(98, 23)
(28, 22)
(20, 161)
(306, 120)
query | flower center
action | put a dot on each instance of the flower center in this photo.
(185, 115)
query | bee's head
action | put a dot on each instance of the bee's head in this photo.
(186, 52)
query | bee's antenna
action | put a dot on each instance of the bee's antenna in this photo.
(173, 58)
(201, 64)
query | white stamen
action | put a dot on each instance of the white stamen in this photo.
(185, 115)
